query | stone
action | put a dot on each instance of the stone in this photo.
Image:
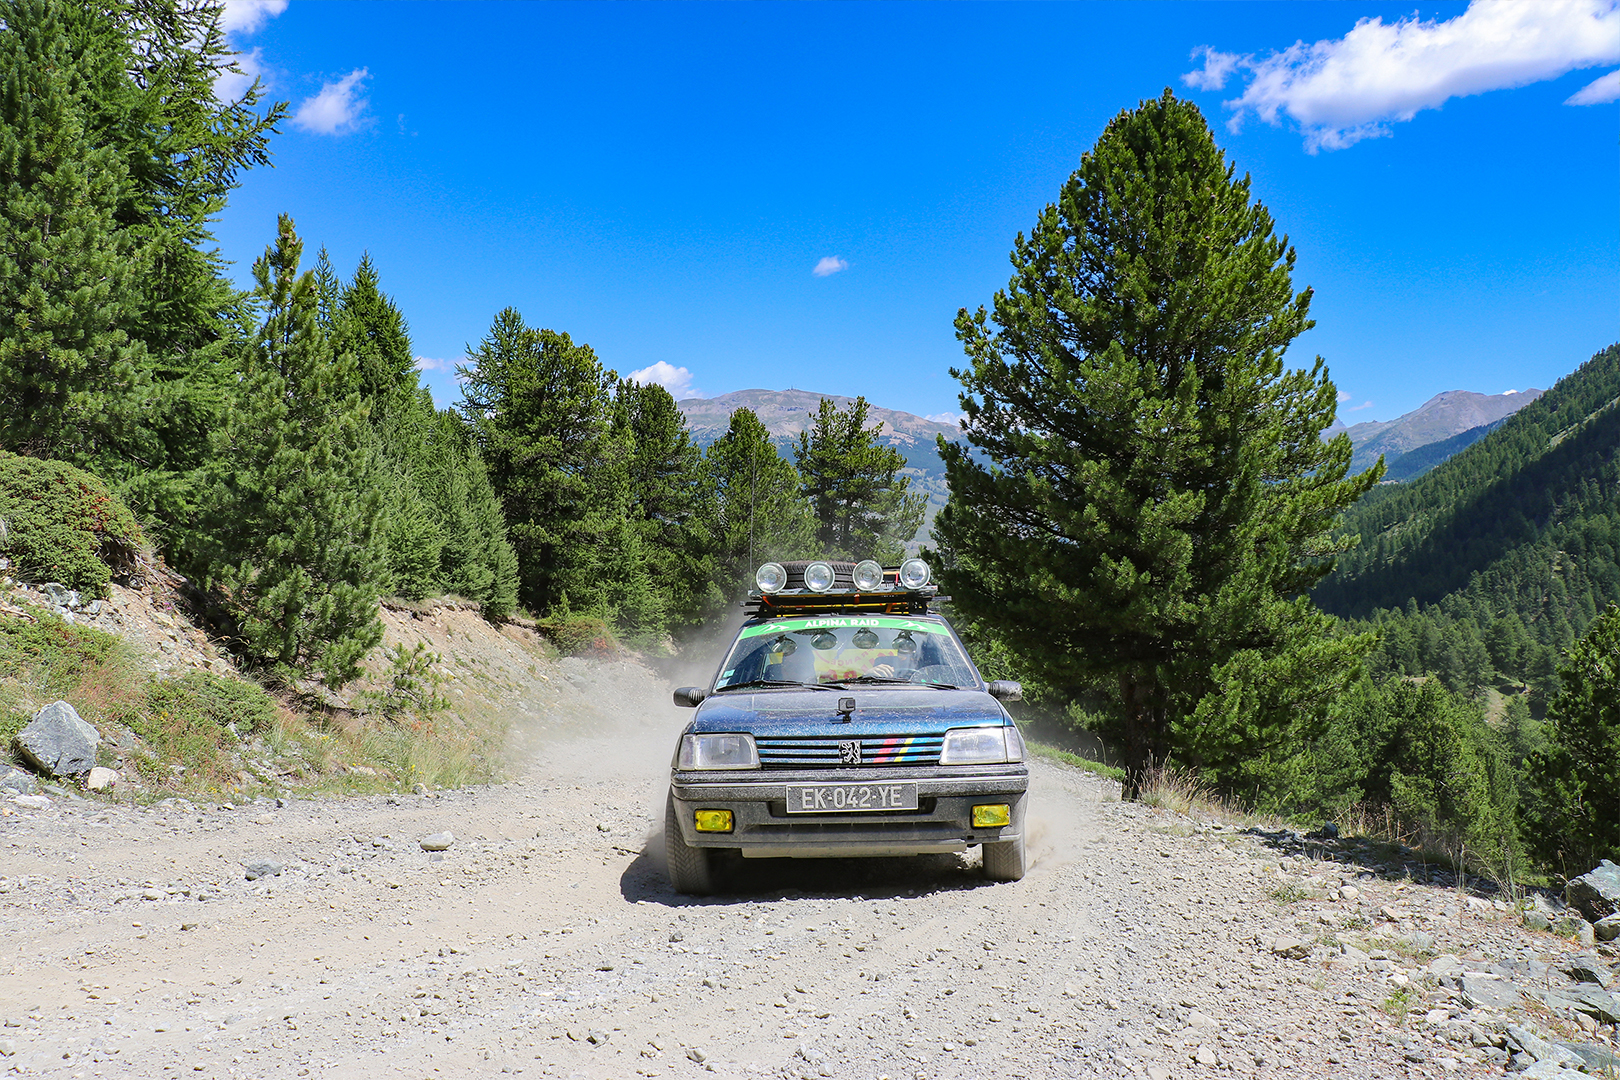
(696, 1054)
(1205, 1056)
(1607, 928)
(1596, 894)
(1445, 965)
(596, 1037)
(1535, 920)
(1538, 1049)
(1291, 948)
(1547, 1070)
(101, 779)
(16, 781)
(264, 868)
(33, 802)
(1569, 926)
(1597, 1058)
(1589, 969)
(1487, 992)
(57, 742)
(1349, 892)
(439, 841)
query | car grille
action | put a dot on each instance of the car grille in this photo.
(822, 752)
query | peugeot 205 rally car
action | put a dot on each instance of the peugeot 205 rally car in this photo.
(845, 720)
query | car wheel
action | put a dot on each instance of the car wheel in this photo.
(1004, 861)
(691, 869)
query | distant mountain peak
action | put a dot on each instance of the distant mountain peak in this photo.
(1447, 414)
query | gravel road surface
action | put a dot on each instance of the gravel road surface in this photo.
(545, 941)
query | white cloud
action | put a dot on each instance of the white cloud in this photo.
(945, 417)
(1344, 396)
(338, 109)
(1218, 67)
(249, 16)
(1358, 408)
(1342, 90)
(428, 363)
(1598, 91)
(829, 265)
(1505, 393)
(240, 18)
(677, 380)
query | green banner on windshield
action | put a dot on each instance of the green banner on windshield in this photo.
(833, 622)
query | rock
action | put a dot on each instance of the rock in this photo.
(1540, 1050)
(266, 868)
(596, 1037)
(16, 781)
(1488, 992)
(58, 743)
(696, 1054)
(439, 841)
(1589, 969)
(1445, 965)
(1598, 1004)
(33, 802)
(101, 779)
(1547, 1070)
(1608, 928)
(1597, 894)
(1291, 948)
(1570, 926)
(1597, 1058)
(1535, 920)
(1349, 892)
(1205, 1056)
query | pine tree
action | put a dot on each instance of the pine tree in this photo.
(861, 502)
(125, 280)
(70, 375)
(1159, 497)
(754, 511)
(1573, 816)
(541, 410)
(665, 495)
(294, 549)
(371, 327)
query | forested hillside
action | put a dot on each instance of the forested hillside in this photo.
(1525, 521)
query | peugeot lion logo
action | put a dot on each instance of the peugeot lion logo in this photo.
(849, 752)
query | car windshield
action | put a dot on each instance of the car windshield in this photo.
(823, 650)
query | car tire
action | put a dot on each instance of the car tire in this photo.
(1004, 861)
(691, 869)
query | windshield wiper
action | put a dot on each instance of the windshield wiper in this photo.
(873, 679)
(766, 682)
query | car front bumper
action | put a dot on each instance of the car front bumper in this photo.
(763, 829)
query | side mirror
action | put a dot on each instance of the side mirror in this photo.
(690, 697)
(1004, 690)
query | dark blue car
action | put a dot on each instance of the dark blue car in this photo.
(845, 720)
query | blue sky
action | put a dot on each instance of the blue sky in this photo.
(664, 181)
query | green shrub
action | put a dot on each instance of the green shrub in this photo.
(59, 523)
(578, 635)
(410, 684)
(195, 720)
(50, 656)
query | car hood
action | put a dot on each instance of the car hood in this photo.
(877, 711)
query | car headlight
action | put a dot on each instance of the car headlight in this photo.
(717, 752)
(982, 746)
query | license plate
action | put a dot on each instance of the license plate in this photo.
(842, 798)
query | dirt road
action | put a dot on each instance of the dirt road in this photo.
(545, 940)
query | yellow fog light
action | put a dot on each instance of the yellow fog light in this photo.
(990, 817)
(713, 821)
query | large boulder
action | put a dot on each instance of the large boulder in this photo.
(58, 743)
(1597, 894)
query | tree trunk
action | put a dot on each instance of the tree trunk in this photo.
(1144, 721)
